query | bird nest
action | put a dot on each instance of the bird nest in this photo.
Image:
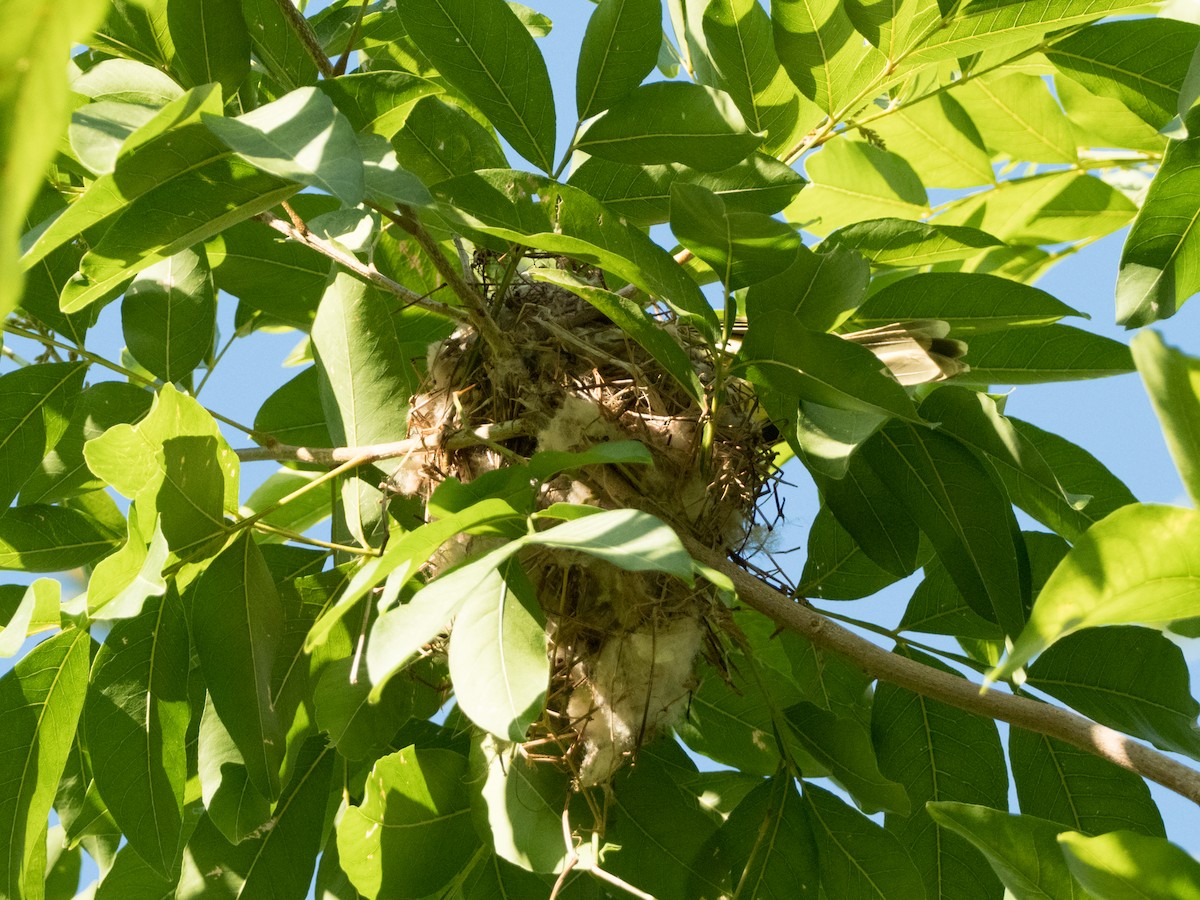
(623, 645)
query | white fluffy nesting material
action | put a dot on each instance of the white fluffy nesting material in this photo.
(638, 685)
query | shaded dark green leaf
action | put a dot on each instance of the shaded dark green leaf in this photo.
(620, 48)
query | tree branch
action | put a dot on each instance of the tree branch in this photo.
(307, 37)
(1031, 715)
(359, 268)
(332, 456)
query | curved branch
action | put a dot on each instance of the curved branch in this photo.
(332, 456)
(952, 690)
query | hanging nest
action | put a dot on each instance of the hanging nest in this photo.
(623, 645)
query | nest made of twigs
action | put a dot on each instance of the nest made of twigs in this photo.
(623, 645)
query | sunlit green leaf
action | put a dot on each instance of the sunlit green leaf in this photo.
(619, 49)
(300, 137)
(1158, 264)
(1044, 353)
(414, 799)
(941, 142)
(900, 242)
(36, 403)
(211, 42)
(1126, 864)
(41, 699)
(852, 181)
(481, 47)
(1017, 116)
(672, 122)
(1114, 577)
(822, 53)
(1140, 62)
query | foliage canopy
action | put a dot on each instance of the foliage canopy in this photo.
(527, 451)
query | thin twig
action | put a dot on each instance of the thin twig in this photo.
(875, 661)
(358, 267)
(330, 456)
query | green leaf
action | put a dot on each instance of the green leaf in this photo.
(818, 289)
(970, 303)
(664, 838)
(256, 264)
(974, 419)
(300, 137)
(642, 194)
(938, 607)
(364, 342)
(842, 744)
(231, 802)
(1114, 576)
(564, 219)
(131, 876)
(359, 729)
(741, 248)
(986, 24)
(899, 243)
(136, 715)
(293, 413)
(277, 45)
(632, 319)
(853, 181)
(98, 130)
(180, 212)
(780, 356)
(40, 699)
(414, 799)
(36, 403)
(126, 81)
(169, 315)
(1142, 689)
(1103, 122)
(836, 567)
(1158, 263)
(672, 122)
(1077, 789)
(211, 42)
(122, 582)
(40, 538)
(1044, 353)
(940, 141)
(167, 148)
(1122, 864)
(857, 857)
(439, 141)
(1140, 62)
(518, 802)
(739, 38)
(875, 518)
(37, 608)
(137, 30)
(277, 862)
(1022, 850)
(236, 622)
(620, 48)
(174, 464)
(377, 102)
(498, 657)
(939, 753)
(956, 501)
(481, 47)
(33, 107)
(1048, 208)
(1173, 382)
(1076, 470)
(769, 844)
(63, 471)
(1018, 117)
(822, 53)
